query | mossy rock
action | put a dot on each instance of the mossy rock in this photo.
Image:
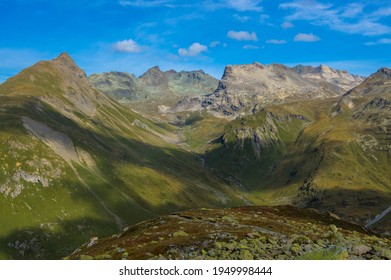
(246, 255)
(301, 240)
(180, 233)
(230, 219)
(326, 254)
(333, 228)
(86, 257)
(296, 249)
(104, 257)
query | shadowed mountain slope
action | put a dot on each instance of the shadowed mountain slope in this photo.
(75, 162)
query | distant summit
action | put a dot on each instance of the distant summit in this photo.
(378, 83)
(323, 73)
(244, 87)
(164, 87)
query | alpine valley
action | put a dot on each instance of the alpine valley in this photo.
(270, 162)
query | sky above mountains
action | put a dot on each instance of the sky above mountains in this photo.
(134, 35)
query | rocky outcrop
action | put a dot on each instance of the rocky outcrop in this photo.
(340, 78)
(246, 233)
(244, 86)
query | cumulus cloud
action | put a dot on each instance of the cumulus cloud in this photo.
(194, 50)
(128, 46)
(242, 35)
(302, 37)
(382, 41)
(287, 25)
(276, 42)
(349, 18)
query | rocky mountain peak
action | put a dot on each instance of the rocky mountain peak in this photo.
(155, 85)
(65, 62)
(383, 73)
(323, 73)
(323, 67)
(377, 84)
(242, 86)
(171, 72)
(154, 76)
(152, 71)
(301, 69)
(65, 59)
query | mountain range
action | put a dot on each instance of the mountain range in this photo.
(87, 156)
(155, 88)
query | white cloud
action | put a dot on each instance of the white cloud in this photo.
(352, 10)
(302, 37)
(382, 12)
(238, 5)
(245, 5)
(242, 35)
(194, 50)
(128, 46)
(349, 19)
(382, 41)
(214, 44)
(241, 18)
(147, 4)
(263, 18)
(250, 47)
(287, 25)
(276, 42)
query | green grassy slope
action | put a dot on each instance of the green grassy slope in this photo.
(306, 153)
(76, 164)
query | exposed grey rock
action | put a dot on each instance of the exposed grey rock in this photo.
(340, 78)
(361, 249)
(243, 86)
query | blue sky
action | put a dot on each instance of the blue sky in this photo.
(134, 35)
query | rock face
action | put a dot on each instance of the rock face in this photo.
(245, 86)
(371, 102)
(154, 84)
(377, 84)
(323, 73)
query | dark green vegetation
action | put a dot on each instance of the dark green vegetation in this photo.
(77, 164)
(244, 233)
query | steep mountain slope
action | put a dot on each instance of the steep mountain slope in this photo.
(331, 154)
(241, 233)
(246, 88)
(75, 163)
(340, 78)
(154, 89)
